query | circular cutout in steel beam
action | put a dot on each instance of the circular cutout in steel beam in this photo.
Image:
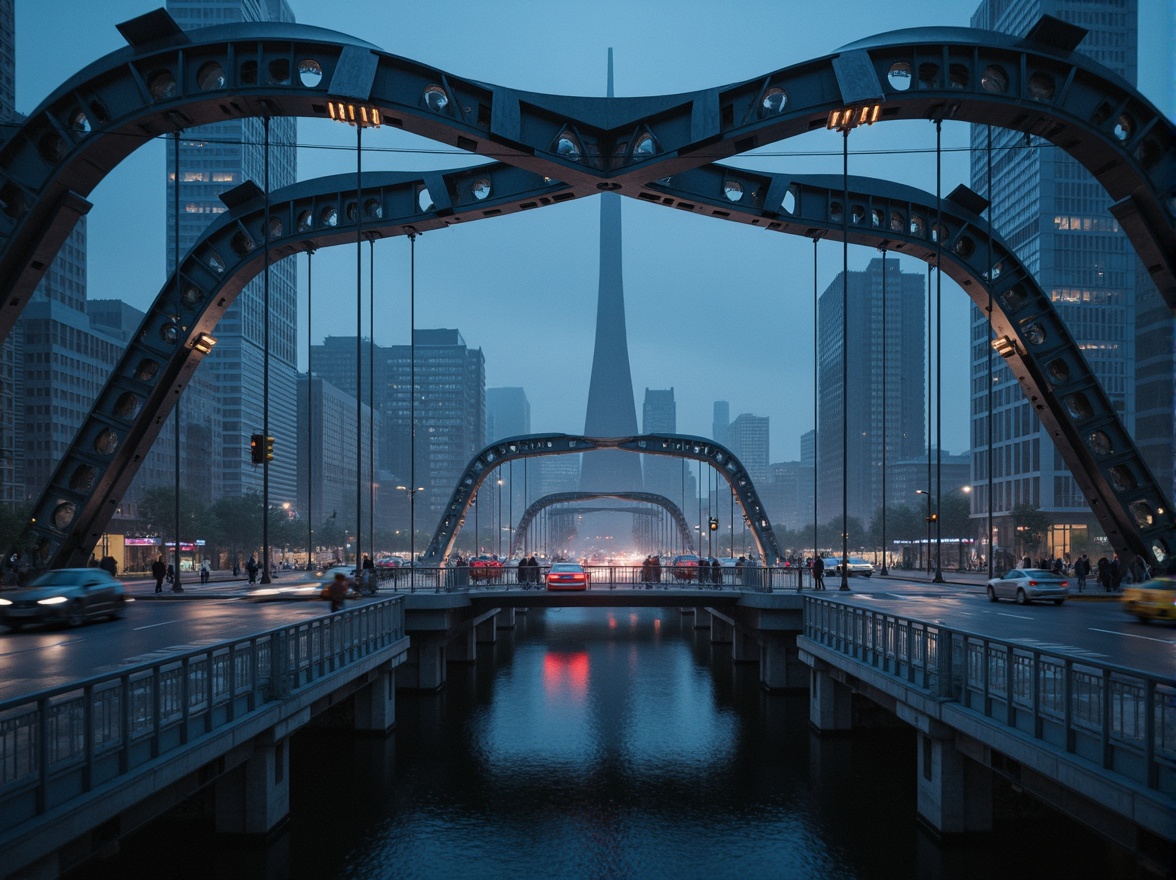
(310, 73)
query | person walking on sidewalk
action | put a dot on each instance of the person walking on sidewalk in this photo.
(818, 573)
(159, 572)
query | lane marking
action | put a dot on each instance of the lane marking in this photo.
(40, 647)
(1017, 616)
(153, 625)
(1134, 636)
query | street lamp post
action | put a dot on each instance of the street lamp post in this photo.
(500, 519)
(411, 493)
(931, 518)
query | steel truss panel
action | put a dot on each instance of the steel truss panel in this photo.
(520, 535)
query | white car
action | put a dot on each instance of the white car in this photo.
(857, 567)
(1025, 585)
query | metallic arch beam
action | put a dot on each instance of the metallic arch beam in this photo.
(176, 332)
(1130, 505)
(80, 498)
(571, 497)
(535, 445)
(168, 80)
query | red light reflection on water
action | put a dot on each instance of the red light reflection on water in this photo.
(565, 672)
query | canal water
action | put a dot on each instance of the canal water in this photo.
(610, 743)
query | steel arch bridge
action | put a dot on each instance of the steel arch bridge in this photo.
(534, 445)
(554, 498)
(559, 148)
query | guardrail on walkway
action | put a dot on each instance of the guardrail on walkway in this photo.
(1121, 719)
(457, 579)
(62, 742)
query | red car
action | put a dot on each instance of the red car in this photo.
(684, 567)
(485, 568)
(567, 576)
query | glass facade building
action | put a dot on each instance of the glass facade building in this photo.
(212, 160)
(1055, 216)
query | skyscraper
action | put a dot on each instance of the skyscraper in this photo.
(659, 415)
(747, 438)
(611, 409)
(214, 159)
(1056, 216)
(450, 413)
(721, 422)
(11, 470)
(903, 335)
(508, 413)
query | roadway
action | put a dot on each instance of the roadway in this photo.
(1093, 627)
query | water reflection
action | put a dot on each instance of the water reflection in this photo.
(590, 743)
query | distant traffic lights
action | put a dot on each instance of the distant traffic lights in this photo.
(269, 448)
(257, 448)
(714, 523)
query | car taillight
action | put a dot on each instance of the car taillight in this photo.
(1033, 583)
(1065, 583)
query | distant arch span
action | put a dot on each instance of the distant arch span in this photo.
(675, 512)
(535, 445)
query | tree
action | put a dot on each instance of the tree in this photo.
(12, 525)
(1030, 524)
(236, 523)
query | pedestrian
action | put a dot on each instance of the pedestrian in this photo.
(159, 572)
(205, 572)
(109, 565)
(236, 568)
(171, 573)
(656, 566)
(1116, 573)
(716, 572)
(1081, 570)
(251, 569)
(533, 569)
(818, 573)
(1103, 568)
(337, 591)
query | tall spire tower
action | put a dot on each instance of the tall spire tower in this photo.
(611, 409)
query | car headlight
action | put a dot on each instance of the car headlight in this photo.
(53, 600)
(5, 602)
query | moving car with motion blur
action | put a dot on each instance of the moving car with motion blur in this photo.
(66, 596)
(1025, 585)
(567, 576)
(1153, 599)
(856, 567)
(684, 567)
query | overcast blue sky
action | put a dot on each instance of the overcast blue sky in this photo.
(718, 311)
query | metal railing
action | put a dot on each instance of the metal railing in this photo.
(1122, 719)
(62, 742)
(456, 579)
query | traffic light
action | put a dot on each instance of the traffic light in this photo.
(269, 448)
(256, 449)
(714, 523)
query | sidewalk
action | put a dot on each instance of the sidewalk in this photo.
(219, 586)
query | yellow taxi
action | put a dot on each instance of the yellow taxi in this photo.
(1153, 599)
